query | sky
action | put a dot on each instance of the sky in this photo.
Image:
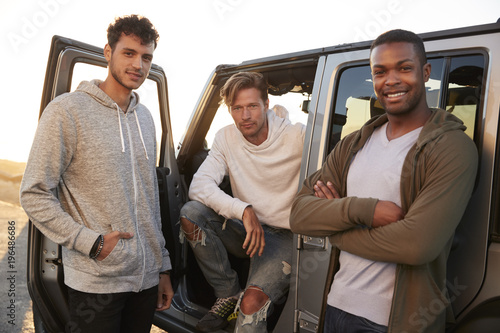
(195, 37)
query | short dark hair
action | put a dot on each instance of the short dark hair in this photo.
(132, 24)
(399, 35)
(243, 80)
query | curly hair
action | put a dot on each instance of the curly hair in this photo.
(243, 80)
(132, 24)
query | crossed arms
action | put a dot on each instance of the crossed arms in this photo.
(434, 200)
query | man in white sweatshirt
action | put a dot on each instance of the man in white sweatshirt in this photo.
(261, 154)
(96, 148)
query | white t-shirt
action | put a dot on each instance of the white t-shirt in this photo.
(364, 287)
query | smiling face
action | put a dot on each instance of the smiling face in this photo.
(399, 78)
(129, 61)
(249, 115)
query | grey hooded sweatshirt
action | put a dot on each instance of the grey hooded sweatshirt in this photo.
(91, 171)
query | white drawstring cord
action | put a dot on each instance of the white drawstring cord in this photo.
(140, 133)
(120, 125)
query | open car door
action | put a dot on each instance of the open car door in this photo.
(69, 63)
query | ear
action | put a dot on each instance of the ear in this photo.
(266, 105)
(427, 72)
(107, 52)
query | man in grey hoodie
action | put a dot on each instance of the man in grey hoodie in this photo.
(90, 185)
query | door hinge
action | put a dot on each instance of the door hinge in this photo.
(306, 321)
(308, 242)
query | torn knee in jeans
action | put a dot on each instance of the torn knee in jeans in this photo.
(253, 305)
(287, 269)
(191, 232)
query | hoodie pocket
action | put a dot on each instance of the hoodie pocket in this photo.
(122, 260)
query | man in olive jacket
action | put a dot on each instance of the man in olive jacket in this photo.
(389, 197)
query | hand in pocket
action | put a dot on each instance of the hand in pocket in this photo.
(110, 241)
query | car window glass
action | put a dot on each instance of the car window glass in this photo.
(148, 93)
(464, 89)
(433, 85)
(355, 102)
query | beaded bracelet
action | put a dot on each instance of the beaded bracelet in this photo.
(95, 246)
(99, 249)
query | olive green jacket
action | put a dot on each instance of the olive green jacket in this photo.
(437, 179)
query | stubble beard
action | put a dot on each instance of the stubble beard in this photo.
(119, 79)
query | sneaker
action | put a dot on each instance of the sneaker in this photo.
(216, 318)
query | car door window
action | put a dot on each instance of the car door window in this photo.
(69, 63)
(148, 93)
(464, 89)
(455, 85)
(292, 102)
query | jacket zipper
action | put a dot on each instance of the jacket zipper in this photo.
(134, 179)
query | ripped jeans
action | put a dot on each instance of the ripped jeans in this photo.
(269, 272)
